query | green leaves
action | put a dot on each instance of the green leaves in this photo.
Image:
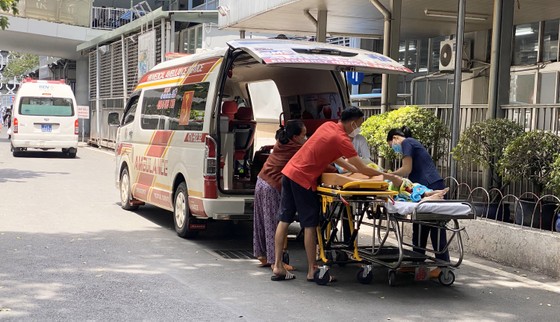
(531, 156)
(7, 6)
(425, 126)
(484, 143)
(20, 64)
(554, 182)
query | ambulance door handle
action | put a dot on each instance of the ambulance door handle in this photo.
(130, 133)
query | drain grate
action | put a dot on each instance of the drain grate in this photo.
(234, 253)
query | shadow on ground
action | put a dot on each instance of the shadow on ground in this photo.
(17, 175)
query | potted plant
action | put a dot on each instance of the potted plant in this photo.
(531, 156)
(425, 127)
(554, 186)
(483, 144)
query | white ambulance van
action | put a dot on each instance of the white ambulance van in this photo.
(197, 129)
(44, 117)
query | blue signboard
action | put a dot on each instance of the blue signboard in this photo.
(355, 78)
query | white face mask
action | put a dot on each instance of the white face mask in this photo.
(355, 132)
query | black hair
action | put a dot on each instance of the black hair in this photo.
(403, 131)
(350, 114)
(291, 129)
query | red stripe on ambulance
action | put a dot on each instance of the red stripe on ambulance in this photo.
(159, 143)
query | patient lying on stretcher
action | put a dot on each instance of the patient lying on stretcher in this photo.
(408, 190)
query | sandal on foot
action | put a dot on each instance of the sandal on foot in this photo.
(288, 267)
(284, 277)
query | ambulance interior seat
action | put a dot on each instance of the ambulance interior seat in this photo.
(240, 123)
(229, 108)
(243, 128)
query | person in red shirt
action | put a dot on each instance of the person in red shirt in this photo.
(330, 143)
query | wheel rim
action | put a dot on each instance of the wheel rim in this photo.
(180, 210)
(125, 188)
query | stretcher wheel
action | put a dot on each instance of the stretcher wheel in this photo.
(446, 278)
(324, 280)
(364, 278)
(392, 278)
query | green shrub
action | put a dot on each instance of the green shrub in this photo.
(483, 144)
(554, 182)
(530, 157)
(425, 126)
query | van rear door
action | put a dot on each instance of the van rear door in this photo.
(317, 55)
(267, 108)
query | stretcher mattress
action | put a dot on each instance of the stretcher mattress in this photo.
(432, 210)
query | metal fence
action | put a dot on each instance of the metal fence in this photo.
(531, 117)
(110, 18)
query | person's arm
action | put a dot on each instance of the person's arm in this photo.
(341, 162)
(364, 169)
(405, 168)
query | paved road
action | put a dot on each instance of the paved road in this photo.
(68, 252)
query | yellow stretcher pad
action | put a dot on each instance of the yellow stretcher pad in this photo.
(354, 181)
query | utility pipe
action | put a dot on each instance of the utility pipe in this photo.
(386, 50)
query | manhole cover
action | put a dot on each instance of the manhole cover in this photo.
(234, 253)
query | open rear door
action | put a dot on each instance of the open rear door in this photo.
(267, 107)
(317, 55)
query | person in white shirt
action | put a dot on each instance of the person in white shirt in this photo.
(361, 146)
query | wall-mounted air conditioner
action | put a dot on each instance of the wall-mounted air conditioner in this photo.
(447, 50)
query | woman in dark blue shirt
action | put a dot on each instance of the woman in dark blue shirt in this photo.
(418, 166)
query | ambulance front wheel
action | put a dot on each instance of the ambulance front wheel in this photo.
(182, 214)
(126, 196)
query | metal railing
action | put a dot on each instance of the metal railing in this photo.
(531, 117)
(110, 18)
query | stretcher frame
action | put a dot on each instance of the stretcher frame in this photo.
(345, 208)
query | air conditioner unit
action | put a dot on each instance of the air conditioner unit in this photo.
(447, 50)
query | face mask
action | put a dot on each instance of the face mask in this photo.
(355, 132)
(397, 148)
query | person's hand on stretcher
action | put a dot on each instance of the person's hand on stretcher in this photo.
(356, 165)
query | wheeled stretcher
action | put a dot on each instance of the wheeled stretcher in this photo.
(344, 210)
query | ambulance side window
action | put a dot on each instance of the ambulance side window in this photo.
(188, 113)
(128, 116)
(176, 108)
(152, 106)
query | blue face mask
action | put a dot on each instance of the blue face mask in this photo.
(397, 148)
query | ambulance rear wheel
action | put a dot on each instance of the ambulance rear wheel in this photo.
(126, 196)
(181, 213)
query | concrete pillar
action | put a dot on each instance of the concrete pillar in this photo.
(500, 60)
(82, 88)
(500, 64)
(322, 26)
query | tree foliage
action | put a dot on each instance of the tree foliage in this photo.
(554, 182)
(20, 64)
(8, 6)
(425, 126)
(483, 144)
(530, 157)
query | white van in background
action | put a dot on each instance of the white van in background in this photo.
(44, 117)
(197, 129)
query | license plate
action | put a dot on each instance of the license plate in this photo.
(46, 128)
